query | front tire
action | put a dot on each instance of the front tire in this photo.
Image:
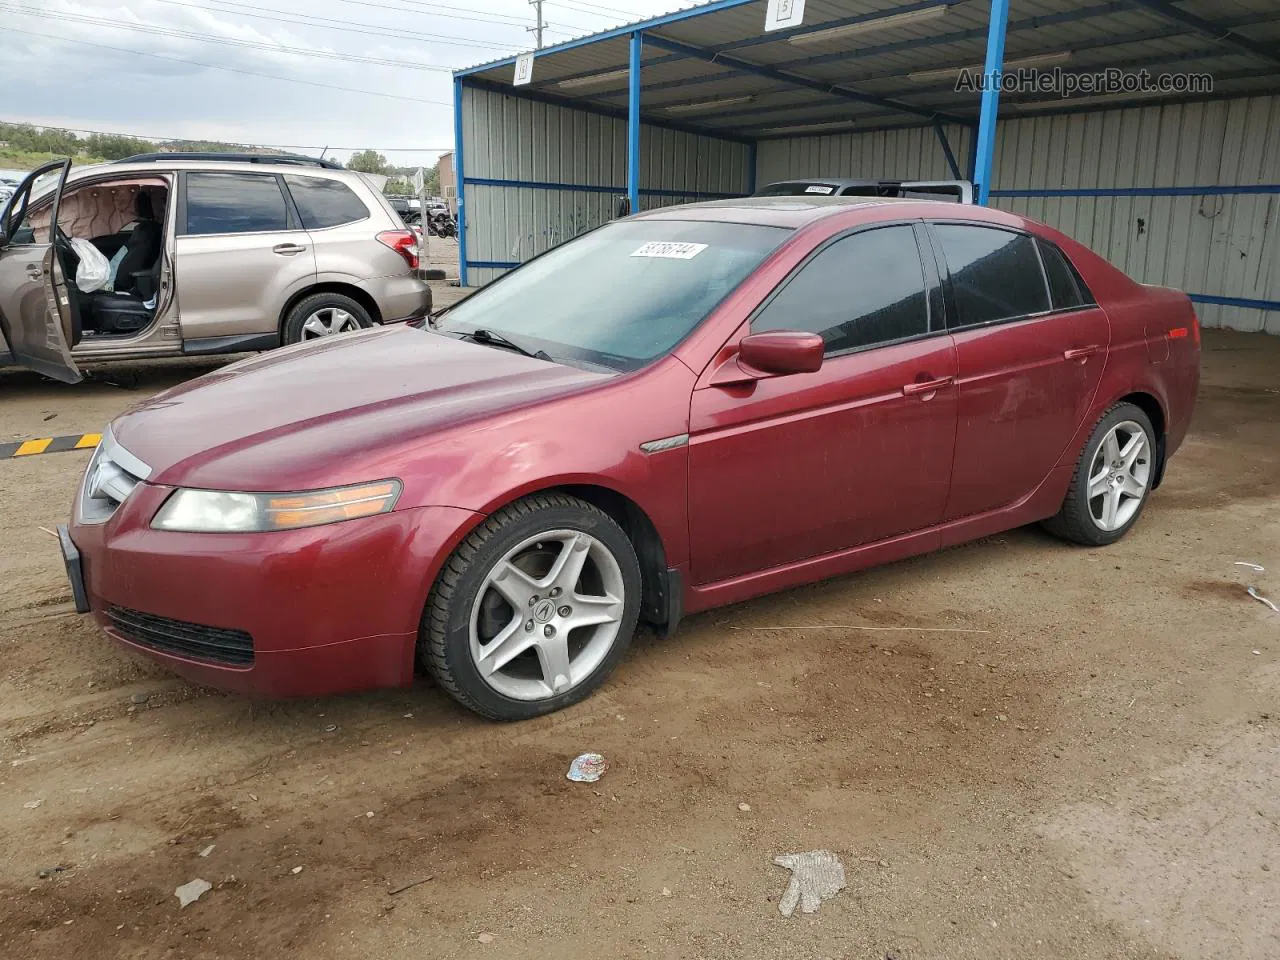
(1112, 481)
(533, 610)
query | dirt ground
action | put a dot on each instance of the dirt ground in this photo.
(1096, 774)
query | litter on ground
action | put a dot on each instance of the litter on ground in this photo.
(189, 893)
(815, 876)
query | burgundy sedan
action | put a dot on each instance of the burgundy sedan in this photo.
(679, 410)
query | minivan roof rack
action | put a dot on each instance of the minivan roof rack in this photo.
(286, 158)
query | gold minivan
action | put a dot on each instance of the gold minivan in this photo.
(206, 254)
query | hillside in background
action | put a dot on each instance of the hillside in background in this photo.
(25, 147)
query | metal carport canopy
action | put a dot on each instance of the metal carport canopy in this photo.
(868, 65)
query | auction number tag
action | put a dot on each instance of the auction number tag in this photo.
(819, 188)
(670, 250)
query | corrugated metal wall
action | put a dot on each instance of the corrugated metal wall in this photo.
(1212, 244)
(1118, 182)
(538, 174)
(914, 154)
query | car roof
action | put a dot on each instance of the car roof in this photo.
(220, 166)
(798, 211)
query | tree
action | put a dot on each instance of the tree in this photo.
(368, 161)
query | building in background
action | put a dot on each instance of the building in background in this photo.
(446, 177)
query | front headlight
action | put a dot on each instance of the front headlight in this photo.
(213, 511)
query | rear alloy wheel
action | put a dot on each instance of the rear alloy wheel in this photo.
(324, 315)
(534, 609)
(1112, 481)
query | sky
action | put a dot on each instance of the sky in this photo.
(233, 70)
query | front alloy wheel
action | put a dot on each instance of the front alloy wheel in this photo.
(547, 615)
(533, 609)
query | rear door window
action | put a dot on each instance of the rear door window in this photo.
(234, 203)
(326, 203)
(1065, 288)
(995, 274)
(863, 290)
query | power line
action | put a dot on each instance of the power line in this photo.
(582, 6)
(329, 23)
(247, 44)
(231, 42)
(217, 66)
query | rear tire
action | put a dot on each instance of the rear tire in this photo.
(322, 315)
(533, 610)
(1112, 480)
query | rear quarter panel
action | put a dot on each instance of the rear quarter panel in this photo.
(1148, 354)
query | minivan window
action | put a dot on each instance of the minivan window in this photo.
(324, 203)
(234, 203)
(862, 290)
(995, 274)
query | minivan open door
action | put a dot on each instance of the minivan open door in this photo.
(37, 313)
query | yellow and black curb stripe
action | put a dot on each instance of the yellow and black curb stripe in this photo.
(29, 448)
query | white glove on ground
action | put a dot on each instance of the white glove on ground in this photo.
(815, 876)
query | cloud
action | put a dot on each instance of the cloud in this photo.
(143, 86)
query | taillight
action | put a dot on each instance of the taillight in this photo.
(1195, 327)
(403, 242)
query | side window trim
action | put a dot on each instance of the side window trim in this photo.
(1087, 300)
(953, 312)
(293, 223)
(831, 241)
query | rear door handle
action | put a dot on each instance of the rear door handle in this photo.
(928, 386)
(1080, 353)
(287, 249)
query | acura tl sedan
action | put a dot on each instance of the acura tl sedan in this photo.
(682, 409)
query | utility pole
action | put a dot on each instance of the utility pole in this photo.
(537, 31)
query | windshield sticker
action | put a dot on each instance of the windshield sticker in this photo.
(820, 188)
(669, 250)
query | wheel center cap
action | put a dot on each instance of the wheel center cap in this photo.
(544, 611)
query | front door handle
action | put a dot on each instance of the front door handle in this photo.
(1080, 353)
(287, 249)
(927, 386)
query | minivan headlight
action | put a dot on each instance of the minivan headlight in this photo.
(215, 511)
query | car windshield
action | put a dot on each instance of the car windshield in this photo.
(620, 296)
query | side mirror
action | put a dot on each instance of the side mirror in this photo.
(780, 352)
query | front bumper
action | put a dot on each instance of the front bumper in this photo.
(330, 609)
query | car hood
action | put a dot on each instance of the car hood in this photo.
(333, 412)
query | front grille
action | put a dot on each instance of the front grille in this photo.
(233, 647)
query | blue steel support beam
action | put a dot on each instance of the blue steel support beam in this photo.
(633, 123)
(795, 80)
(459, 179)
(946, 150)
(988, 115)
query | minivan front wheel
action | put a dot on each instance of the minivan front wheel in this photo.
(323, 315)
